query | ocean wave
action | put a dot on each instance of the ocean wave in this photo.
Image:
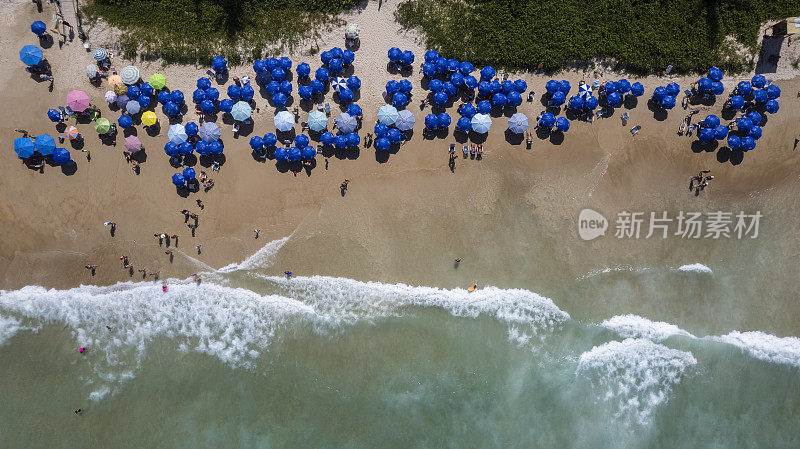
(9, 326)
(260, 259)
(635, 376)
(766, 347)
(695, 268)
(634, 326)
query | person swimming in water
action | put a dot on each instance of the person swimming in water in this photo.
(288, 274)
(164, 287)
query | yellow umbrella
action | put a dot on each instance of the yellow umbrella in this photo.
(120, 89)
(114, 80)
(102, 125)
(149, 118)
(158, 81)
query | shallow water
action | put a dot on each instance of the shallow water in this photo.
(247, 360)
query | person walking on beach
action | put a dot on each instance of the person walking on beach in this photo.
(186, 213)
(343, 187)
(198, 249)
(92, 268)
(256, 231)
(200, 204)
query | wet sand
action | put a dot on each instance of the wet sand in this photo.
(511, 217)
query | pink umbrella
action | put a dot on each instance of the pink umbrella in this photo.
(77, 100)
(133, 144)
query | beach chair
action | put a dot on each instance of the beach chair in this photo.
(328, 109)
(625, 118)
(635, 129)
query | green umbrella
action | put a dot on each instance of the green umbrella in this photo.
(158, 81)
(102, 125)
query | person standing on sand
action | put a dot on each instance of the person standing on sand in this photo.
(92, 268)
(200, 204)
(343, 187)
(256, 231)
(198, 249)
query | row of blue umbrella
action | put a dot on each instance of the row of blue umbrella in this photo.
(336, 59)
(186, 148)
(187, 175)
(548, 120)
(398, 56)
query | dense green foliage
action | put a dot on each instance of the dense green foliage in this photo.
(642, 35)
(196, 30)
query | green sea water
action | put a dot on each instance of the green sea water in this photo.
(245, 360)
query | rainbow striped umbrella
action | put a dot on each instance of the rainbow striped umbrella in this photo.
(91, 70)
(352, 31)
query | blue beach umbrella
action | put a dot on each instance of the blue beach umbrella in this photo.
(125, 121)
(269, 140)
(484, 88)
(392, 86)
(198, 95)
(457, 79)
(466, 68)
(61, 156)
(303, 70)
(470, 82)
(452, 65)
(552, 86)
(514, 98)
(405, 120)
(54, 115)
(623, 86)
(499, 100)
(449, 88)
(715, 74)
(736, 102)
(285, 63)
(562, 124)
(748, 143)
(191, 129)
(759, 81)
(281, 154)
(202, 148)
(773, 92)
(354, 109)
(659, 93)
(755, 132)
(144, 101)
(444, 120)
(399, 99)
(711, 121)
(271, 64)
(38, 27)
(432, 121)
(234, 92)
(133, 92)
(273, 87)
(209, 132)
(464, 124)
(395, 54)
(381, 129)
(484, 107)
(259, 66)
(354, 83)
(590, 103)
(185, 149)
(495, 87)
(335, 65)
(171, 148)
(772, 106)
(340, 141)
(171, 109)
(188, 174)
(754, 117)
(146, 89)
(327, 138)
(44, 144)
(348, 57)
(720, 132)
(286, 88)
(547, 120)
(558, 98)
(394, 135)
(308, 153)
(435, 85)
(23, 147)
(212, 94)
(610, 87)
(346, 123)
(133, 107)
(215, 147)
(279, 100)
(706, 135)
(429, 70)
(247, 92)
(219, 64)
(387, 114)
(744, 88)
(467, 110)
(207, 106)
(744, 124)
(353, 140)
(576, 103)
(178, 180)
(440, 98)
(673, 89)
(317, 121)
(295, 155)
(31, 55)
(441, 64)
(506, 87)
(408, 57)
(431, 56)
(304, 92)
(760, 96)
(203, 83)
(301, 141)
(717, 88)
(226, 105)
(705, 84)
(520, 86)
(564, 86)
(734, 142)
(322, 75)
(614, 99)
(668, 102)
(637, 89)
(241, 111)
(487, 73)
(382, 144)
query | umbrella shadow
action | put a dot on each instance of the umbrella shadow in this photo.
(659, 113)
(69, 168)
(139, 156)
(283, 136)
(476, 137)
(442, 133)
(460, 136)
(631, 101)
(78, 143)
(543, 133)
(183, 192)
(189, 160)
(514, 138)
(728, 113)
(129, 132)
(556, 137)
(154, 130)
(381, 157)
(282, 166)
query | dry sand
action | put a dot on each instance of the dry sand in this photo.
(403, 220)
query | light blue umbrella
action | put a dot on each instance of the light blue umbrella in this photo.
(99, 54)
(284, 121)
(317, 121)
(209, 132)
(23, 147)
(481, 123)
(44, 144)
(241, 111)
(518, 123)
(387, 114)
(133, 107)
(177, 133)
(346, 123)
(31, 55)
(405, 120)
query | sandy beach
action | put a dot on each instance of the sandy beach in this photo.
(401, 220)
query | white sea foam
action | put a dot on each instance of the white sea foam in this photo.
(260, 258)
(782, 350)
(634, 326)
(8, 327)
(634, 376)
(695, 268)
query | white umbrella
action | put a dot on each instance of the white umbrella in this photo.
(129, 74)
(405, 120)
(481, 123)
(338, 84)
(317, 121)
(387, 114)
(284, 121)
(585, 91)
(346, 123)
(133, 107)
(177, 133)
(518, 123)
(241, 111)
(110, 97)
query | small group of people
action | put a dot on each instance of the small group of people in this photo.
(702, 179)
(207, 182)
(134, 163)
(687, 126)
